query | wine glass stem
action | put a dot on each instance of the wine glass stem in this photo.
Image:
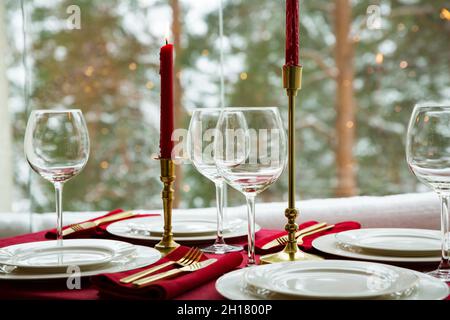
(219, 205)
(445, 212)
(251, 229)
(59, 220)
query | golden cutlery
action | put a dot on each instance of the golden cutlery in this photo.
(300, 239)
(283, 239)
(91, 224)
(192, 256)
(190, 268)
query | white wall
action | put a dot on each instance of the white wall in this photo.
(6, 169)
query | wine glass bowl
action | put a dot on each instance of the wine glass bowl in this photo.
(250, 155)
(428, 157)
(56, 147)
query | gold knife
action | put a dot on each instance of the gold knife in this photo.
(144, 282)
(276, 242)
(300, 239)
(91, 224)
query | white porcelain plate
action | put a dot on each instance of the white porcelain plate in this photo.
(394, 241)
(137, 229)
(331, 279)
(139, 257)
(183, 227)
(232, 286)
(46, 255)
(328, 244)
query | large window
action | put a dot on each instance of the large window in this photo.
(363, 73)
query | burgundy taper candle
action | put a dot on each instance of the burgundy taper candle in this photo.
(166, 121)
(292, 33)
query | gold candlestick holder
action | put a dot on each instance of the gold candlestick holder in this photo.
(292, 82)
(167, 244)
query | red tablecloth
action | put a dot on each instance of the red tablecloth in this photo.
(57, 289)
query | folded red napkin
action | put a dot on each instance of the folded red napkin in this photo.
(109, 285)
(307, 241)
(96, 232)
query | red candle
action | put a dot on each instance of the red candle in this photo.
(166, 124)
(292, 33)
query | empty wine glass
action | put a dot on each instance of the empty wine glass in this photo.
(201, 136)
(428, 156)
(57, 148)
(250, 154)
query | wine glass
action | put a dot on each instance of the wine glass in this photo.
(250, 154)
(428, 156)
(57, 147)
(200, 145)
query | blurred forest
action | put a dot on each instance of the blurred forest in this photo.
(366, 63)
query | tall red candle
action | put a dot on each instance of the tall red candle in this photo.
(167, 121)
(292, 33)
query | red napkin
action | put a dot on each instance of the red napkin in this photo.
(307, 241)
(96, 232)
(110, 286)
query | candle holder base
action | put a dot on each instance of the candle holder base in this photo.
(284, 256)
(166, 247)
(167, 243)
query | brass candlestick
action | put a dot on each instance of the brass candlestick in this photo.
(292, 82)
(167, 244)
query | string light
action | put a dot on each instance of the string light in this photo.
(379, 58)
(445, 14)
(89, 71)
(243, 76)
(404, 64)
(104, 165)
(132, 66)
(150, 85)
(350, 124)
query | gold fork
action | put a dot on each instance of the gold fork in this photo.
(193, 255)
(300, 238)
(91, 224)
(283, 240)
(190, 268)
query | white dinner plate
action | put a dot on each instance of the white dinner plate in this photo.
(139, 257)
(125, 230)
(394, 241)
(328, 244)
(331, 279)
(180, 227)
(232, 286)
(49, 255)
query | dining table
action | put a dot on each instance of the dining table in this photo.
(57, 289)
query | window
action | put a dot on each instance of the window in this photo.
(362, 75)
